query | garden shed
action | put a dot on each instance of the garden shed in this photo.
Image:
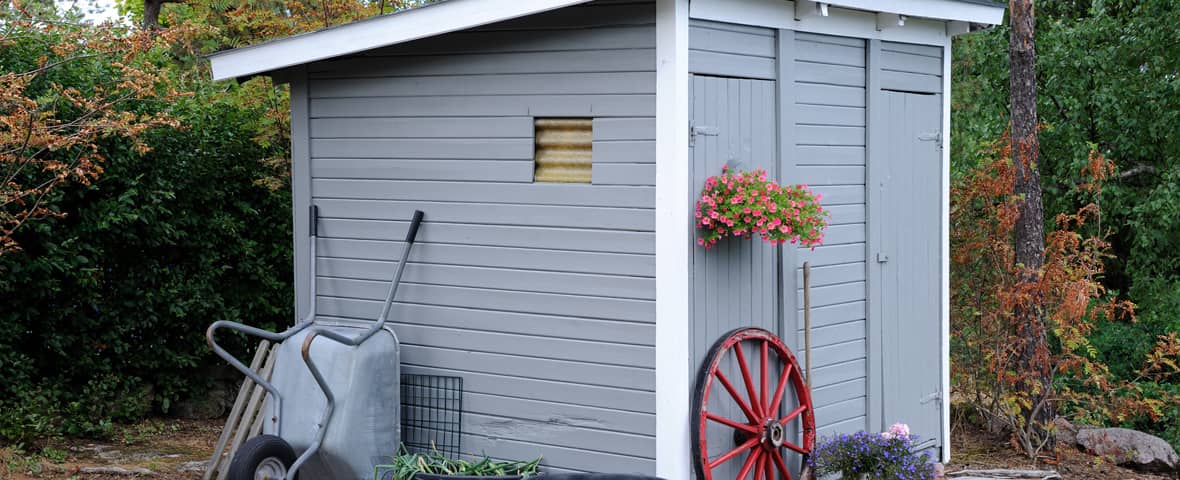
(557, 148)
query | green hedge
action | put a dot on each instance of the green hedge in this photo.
(102, 315)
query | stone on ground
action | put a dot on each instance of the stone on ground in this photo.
(1130, 448)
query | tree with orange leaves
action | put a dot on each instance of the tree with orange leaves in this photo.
(51, 123)
(991, 365)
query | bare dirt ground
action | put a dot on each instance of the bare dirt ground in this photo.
(178, 449)
(973, 448)
(168, 448)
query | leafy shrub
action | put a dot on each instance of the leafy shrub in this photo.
(105, 307)
(1119, 99)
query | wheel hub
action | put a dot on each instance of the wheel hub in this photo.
(270, 468)
(774, 433)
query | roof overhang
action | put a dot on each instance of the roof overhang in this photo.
(385, 30)
(971, 11)
(454, 15)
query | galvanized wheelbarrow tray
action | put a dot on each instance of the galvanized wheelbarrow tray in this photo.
(333, 403)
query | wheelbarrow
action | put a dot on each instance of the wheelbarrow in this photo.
(340, 412)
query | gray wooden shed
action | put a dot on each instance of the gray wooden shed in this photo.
(557, 146)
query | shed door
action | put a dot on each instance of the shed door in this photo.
(735, 283)
(908, 253)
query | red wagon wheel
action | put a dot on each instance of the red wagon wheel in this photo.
(774, 407)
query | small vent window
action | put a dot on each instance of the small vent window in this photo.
(563, 147)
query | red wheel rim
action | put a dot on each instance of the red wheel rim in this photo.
(767, 410)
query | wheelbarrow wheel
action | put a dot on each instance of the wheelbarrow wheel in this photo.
(265, 457)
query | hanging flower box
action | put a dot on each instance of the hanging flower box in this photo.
(745, 203)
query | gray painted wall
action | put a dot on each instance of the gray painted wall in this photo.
(541, 296)
(827, 118)
(729, 50)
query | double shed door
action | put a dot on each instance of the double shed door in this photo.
(735, 284)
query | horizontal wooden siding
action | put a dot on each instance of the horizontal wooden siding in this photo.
(540, 295)
(829, 135)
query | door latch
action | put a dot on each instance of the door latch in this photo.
(882, 258)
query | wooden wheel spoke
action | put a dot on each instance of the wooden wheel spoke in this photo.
(751, 460)
(794, 447)
(794, 414)
(733, 453)
(737, 397)
(778, 391)
(780, 463)
(760, 467)
(748, 379)
(765, 377)
(769, 466)
(732, 423)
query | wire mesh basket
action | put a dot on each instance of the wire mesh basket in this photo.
(432, 411)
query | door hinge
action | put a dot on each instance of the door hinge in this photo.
(694, 130)
(935, 136)
(925, 444)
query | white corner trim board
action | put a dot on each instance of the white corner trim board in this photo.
(945, 287)
(673, 243)
(385, 30)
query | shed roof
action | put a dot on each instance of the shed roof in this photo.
(454, 15)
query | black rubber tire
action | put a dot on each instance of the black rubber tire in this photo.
(251, 454)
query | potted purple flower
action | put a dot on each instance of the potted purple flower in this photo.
(887, 455)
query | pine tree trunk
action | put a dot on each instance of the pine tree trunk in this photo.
(151, 14)
(1029, 233)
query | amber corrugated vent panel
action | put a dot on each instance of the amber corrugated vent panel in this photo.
(564, 148)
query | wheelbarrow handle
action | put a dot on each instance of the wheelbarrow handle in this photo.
(414, 224)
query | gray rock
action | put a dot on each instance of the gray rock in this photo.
(213, 404)
(193, 466)
(1067, 432)
(116, 471)
(1130, 448)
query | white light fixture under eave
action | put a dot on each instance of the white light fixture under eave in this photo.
(808, 8)
(890, 20)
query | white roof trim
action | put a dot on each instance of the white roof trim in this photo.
(963, 11)
(428, 21)
(454, 15)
